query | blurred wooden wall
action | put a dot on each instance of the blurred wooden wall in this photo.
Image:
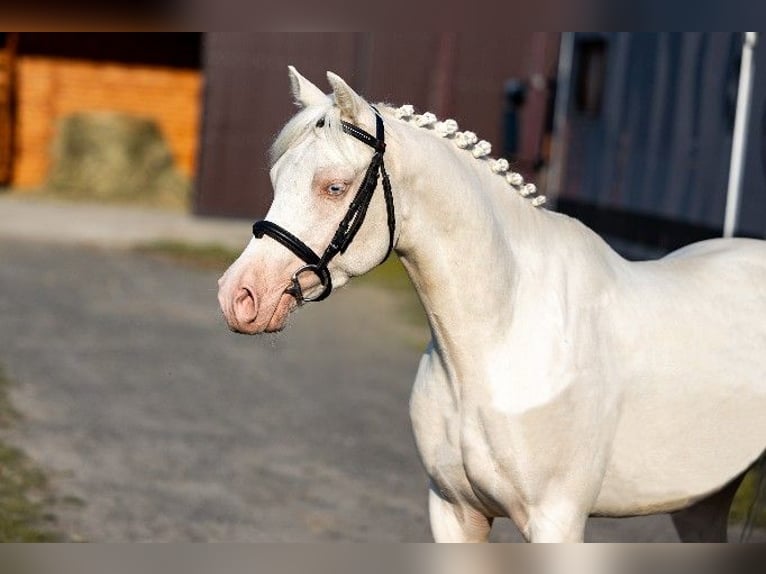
(149, 75)
(51, 88)
(460, 75)
(8, 43)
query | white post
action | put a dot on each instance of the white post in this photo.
(558, 147)
(739, 138)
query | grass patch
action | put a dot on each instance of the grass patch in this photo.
(205, 256)
(744, 499)
(24, 491)
(158, 203)
(392, 276)
(7, 413)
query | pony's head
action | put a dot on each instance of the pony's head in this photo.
(316, 169)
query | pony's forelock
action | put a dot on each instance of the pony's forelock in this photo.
(305, 122)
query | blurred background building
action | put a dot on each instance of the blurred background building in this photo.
(643, 122)
(647, 138)
(453, 75)
(53, 75)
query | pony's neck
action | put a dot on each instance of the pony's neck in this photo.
(467, 239)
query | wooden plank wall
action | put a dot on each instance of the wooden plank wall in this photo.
(7, 91)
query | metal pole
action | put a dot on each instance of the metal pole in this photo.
(739, 138)
(558, 147)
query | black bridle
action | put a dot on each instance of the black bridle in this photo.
(349, 225)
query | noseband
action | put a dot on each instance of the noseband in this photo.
(349, 225)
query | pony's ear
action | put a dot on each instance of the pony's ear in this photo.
(304, 92)
(349, 102)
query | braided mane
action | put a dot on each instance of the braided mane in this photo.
(305, 121)
(468, 141)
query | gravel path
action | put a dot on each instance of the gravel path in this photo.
(168, 427)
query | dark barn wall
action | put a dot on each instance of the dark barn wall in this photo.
(651, 121)
(246, 102)
(173, 49)
(650, 125)
(455, 75)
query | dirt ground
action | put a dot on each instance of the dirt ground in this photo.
(157, 423)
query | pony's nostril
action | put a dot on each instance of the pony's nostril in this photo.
(245, 307)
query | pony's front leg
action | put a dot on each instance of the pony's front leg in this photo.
(451, 522)
(556, 523)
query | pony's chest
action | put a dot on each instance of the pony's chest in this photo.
(465, 466)
(436, 426)
(462, 462)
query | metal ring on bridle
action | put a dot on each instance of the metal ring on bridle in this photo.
(296, 290)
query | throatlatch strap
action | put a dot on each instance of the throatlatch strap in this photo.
(391, 215)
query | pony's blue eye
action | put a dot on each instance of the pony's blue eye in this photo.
(336, 188)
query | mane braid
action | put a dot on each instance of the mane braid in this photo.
(469, 141)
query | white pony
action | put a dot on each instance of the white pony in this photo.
(562, 381)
